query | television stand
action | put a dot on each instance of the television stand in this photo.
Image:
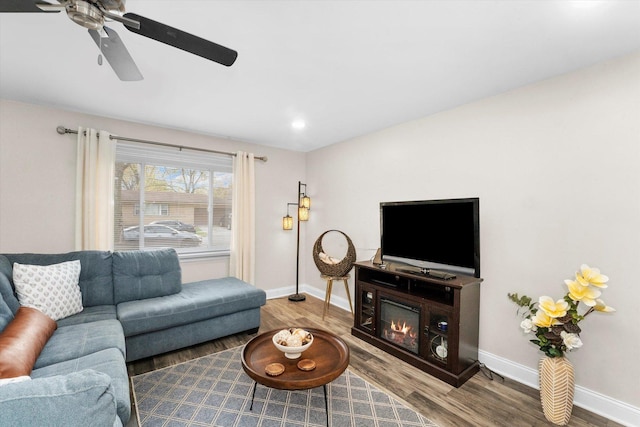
(429, 322)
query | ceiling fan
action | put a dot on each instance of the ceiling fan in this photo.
(92, 15)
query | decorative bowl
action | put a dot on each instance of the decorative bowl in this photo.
(289, 351)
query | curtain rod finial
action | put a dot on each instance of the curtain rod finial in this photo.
(61, 130)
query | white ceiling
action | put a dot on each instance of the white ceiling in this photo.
(346, 68)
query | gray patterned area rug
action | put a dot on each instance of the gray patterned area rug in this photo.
(214, 391)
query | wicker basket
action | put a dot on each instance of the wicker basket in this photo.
(337, 270)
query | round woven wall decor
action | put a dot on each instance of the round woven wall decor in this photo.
(343, 266)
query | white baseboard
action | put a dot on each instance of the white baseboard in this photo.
(338, 301)
(615, 410)
(280, 292)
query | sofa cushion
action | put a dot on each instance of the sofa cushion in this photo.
(145, 274)
(90, 314)
(95, 281)
(110, 362)
(74, 341)
(52, 289)
(84, 398)
(5, 266)
(158, 342)
(6, 314)
(197, 301)
(22, 341)
(6, 288)
(4, 381)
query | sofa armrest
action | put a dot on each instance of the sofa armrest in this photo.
(81, 398)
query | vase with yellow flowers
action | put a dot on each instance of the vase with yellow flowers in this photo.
(555, 324)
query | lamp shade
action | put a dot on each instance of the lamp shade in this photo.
(303, 214)
(305, 202)
(287, 222)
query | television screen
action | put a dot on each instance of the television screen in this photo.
(438, 234)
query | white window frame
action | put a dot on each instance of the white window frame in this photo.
(146, 154)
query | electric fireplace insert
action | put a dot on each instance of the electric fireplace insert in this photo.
(399, 324)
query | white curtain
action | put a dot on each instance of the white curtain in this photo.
(94, 190)
(243, 240)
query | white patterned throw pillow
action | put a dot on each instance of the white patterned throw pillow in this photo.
(52, 289)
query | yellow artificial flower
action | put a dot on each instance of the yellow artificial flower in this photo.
(578, 292)
(591, 276)
(541, 320)
(601, 306)
(551, 317)
(553, 309)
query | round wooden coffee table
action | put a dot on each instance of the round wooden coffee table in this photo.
(329, 352)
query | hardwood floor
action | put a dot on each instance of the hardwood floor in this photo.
(479, 402)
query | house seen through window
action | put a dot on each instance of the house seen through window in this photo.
(168, 198)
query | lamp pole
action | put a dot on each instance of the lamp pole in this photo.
(297, 297)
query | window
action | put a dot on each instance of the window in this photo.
(186, 198)
(153, 209)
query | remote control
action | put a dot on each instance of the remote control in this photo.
(441, 274)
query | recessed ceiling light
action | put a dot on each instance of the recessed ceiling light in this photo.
(298, 124)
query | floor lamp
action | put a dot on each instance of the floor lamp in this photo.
(303, 206)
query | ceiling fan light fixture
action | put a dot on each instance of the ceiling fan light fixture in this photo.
(85, 14)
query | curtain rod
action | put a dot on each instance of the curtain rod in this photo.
(63, 130)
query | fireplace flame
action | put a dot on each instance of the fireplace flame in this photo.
(402, 334)
(404, 329)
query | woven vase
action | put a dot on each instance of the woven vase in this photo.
(556, 389)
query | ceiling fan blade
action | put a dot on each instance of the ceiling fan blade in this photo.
(185, 41)
(29, 6)
(117, 54)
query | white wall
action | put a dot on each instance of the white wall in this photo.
(556, 167)
(37, 187)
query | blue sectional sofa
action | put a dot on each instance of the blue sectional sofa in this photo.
(134, 305)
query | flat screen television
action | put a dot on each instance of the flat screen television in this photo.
(432, 234)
